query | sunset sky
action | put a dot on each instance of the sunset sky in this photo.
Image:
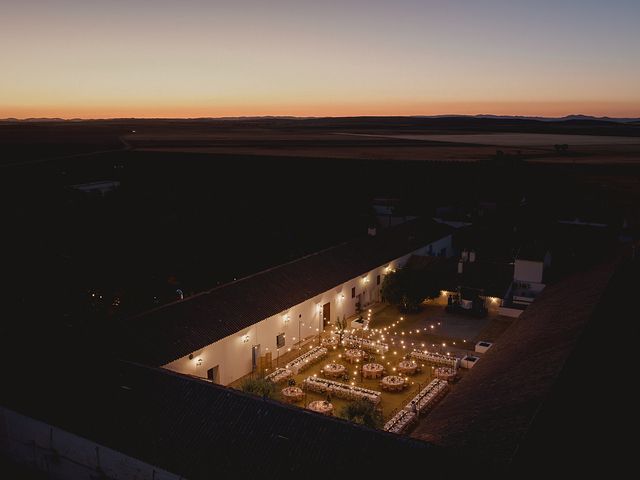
(195, 58)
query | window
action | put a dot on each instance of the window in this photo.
(280, 340)
(430, 252)
(353, 292)
(443, 252)
(378, 280)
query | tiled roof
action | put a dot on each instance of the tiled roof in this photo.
(491, 409)
(178, 329)
(201, 431)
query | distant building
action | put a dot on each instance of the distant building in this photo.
(477, 286)
(388, 214)
(102, 187)
(528, 277)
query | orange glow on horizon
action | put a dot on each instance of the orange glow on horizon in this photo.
(99, 59)
(543, 109)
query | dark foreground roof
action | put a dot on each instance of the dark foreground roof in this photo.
(489, 412)
(202, 431)
(178, 329)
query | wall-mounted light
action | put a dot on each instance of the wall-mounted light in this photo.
(245, 338)
(365, 279)
(287, 317)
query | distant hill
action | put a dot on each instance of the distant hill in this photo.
(561, 119)
(575, 117)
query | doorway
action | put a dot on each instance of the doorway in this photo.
(213, 374)
(326, 314)
(255, 355)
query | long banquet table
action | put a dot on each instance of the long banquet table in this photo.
(437, 358)
(400, 421)
(341, 390)
(306, 359)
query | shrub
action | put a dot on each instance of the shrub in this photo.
(258, 386)
(362, 412)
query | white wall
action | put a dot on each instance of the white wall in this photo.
(528, 271)
(510, 312)
(63, 455)
(232, 354)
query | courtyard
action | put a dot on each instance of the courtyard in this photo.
(431, 329)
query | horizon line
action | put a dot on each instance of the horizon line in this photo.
(307, 117)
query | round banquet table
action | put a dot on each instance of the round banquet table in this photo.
(392, 383)
(321, 406)
(446, 373)
(292, 394)
(354, 354)
(334, 370)
(372, 370)
(408, 367)
(330, 341)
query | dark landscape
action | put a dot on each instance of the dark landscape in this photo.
(296, 239)
(203, 202)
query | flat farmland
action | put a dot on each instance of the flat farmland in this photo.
(317, 145)
(539, 147)
(447, 140)
(533, 147)
(520, 139)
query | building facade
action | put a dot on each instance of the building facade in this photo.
(235, 356)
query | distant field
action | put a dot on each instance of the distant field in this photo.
(402, 139)
(471, 147)
(518, 139)
(306, 145)
(447, 154)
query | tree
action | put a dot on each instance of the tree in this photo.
(407, 288)
(362, 412)
(258, 386)
(561, 147)
(341, 324)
